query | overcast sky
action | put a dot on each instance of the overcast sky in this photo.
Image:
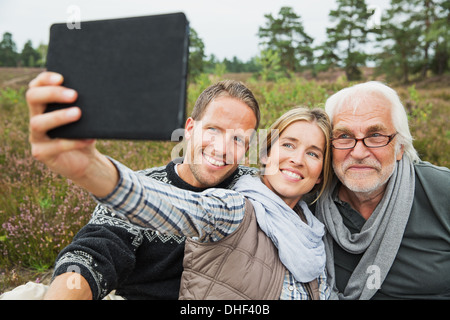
(228, 28)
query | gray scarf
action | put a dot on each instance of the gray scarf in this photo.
(379, 238)
(300, 245)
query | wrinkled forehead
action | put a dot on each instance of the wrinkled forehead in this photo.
(363, 102)
(362, 113)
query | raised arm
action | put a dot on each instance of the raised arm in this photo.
(209, 216)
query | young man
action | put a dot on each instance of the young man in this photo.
(388, 213)
(111, 253)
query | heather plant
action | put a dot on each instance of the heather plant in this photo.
(42, 226)
(428, 111)
(39, 211)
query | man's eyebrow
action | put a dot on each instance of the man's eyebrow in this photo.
(371, 129)
(376, 128)
(342, 130)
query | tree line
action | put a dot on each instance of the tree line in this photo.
(410, 38)
(28, 57)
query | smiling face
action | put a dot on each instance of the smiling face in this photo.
(363, 169)
(217, 142)
(294, 164)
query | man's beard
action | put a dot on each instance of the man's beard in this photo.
(357, 182)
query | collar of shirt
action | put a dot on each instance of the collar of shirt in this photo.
(352, 219)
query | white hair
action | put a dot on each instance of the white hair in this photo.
(358, 94)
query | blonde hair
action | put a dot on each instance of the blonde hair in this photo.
(317, 116)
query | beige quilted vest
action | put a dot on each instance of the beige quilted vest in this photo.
(244, 265)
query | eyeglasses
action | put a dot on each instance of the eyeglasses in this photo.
(374, 141)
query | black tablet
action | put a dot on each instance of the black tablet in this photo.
(130, 75)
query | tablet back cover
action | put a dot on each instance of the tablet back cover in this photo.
(130, 75)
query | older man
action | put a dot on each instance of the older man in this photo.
(387, 213)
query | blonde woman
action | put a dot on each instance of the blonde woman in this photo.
(257, 241)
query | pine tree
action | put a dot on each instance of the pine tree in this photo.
(431, 18)
(196, 54)
(29, 56)
(399, 40)
(326, 58)
(439, 35)
(8, 51)
(349, 34)
(285, 35)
